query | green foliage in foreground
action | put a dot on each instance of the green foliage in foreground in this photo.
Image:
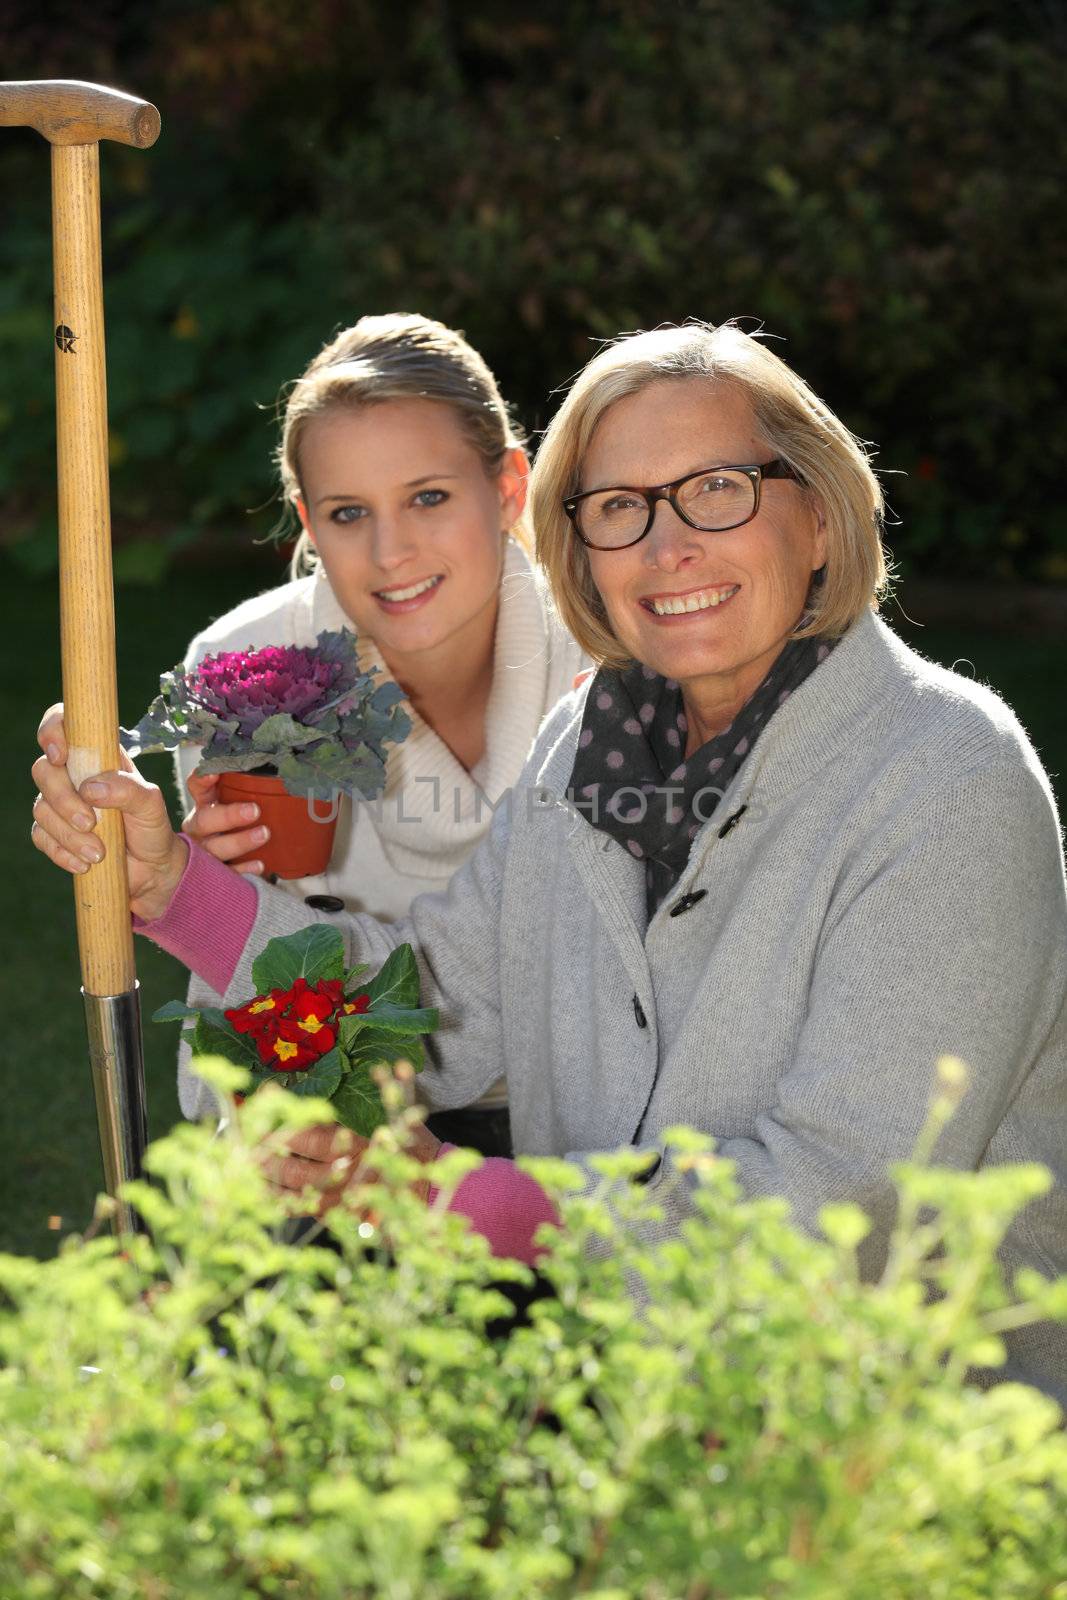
(221, 1414)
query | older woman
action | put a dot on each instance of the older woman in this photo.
(758, 874)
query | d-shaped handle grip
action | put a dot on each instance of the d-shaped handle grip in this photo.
(66, 111)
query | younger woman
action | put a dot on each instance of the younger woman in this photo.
(409, 480)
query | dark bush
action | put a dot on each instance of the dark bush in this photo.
(876, 185)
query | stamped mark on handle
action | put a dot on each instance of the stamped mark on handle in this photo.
(65, 338)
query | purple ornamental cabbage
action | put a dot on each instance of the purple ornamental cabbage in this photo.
(307, 712)
(253, 685)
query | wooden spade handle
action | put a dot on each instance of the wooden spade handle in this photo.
(66, 111)
(86, 599)
(74, 117)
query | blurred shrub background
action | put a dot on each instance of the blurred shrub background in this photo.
(876, 182)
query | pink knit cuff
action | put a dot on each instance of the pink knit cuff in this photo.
(503, 1204)
(209, 919)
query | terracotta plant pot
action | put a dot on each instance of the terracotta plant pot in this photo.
(301, 829)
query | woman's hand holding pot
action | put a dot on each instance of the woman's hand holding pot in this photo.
(64, 821)
(223, 830)
(328, 1158)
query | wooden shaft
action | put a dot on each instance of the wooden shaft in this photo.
(87, 607)
(66, 111)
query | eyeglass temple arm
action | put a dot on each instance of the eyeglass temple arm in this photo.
(779, 469)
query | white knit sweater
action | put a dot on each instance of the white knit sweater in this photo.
(434, 811)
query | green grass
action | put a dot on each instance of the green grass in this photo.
(52, 1163)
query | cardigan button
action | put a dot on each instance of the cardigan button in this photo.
(686, 902)
(732, 821)
(324, 902)
(639, 1013)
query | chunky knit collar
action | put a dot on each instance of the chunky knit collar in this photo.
(433, 810)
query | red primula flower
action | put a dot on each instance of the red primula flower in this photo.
(310, 1032)
(359, 1005)
(287, 1055)
(310, 1006)
(293, 1027)
(260, 1014)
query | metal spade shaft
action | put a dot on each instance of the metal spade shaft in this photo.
(74, 117)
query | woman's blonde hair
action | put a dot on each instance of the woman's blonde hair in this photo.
(795, 424)
(400, 356)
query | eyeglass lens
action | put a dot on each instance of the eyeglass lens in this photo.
(712, 500)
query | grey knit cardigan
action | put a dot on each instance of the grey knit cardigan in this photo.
(893, 890)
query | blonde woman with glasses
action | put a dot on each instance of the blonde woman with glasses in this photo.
(759, 874)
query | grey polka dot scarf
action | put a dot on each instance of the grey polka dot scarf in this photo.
(631, 778)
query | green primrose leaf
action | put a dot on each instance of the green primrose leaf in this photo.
(379, 1048)
(321, 1079)
(358, 1103)
(175, 1011)
(211, 1040)
(348, 1027)
(398, 980)
(403, 1019)
(217, 1018)
(313, 953)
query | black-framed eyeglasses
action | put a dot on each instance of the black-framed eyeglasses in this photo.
(711, 500)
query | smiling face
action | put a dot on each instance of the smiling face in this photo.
(749, 582)
(407, 523)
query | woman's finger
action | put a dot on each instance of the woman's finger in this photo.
(211, 821)
(86, 847)
(325, 1156)
(326, 1142)
(226, 845)
(51, 735)
(230, 846)
(296, 1173)
(55, 786)
(128, 792)
(203, 786)
(55, 852)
